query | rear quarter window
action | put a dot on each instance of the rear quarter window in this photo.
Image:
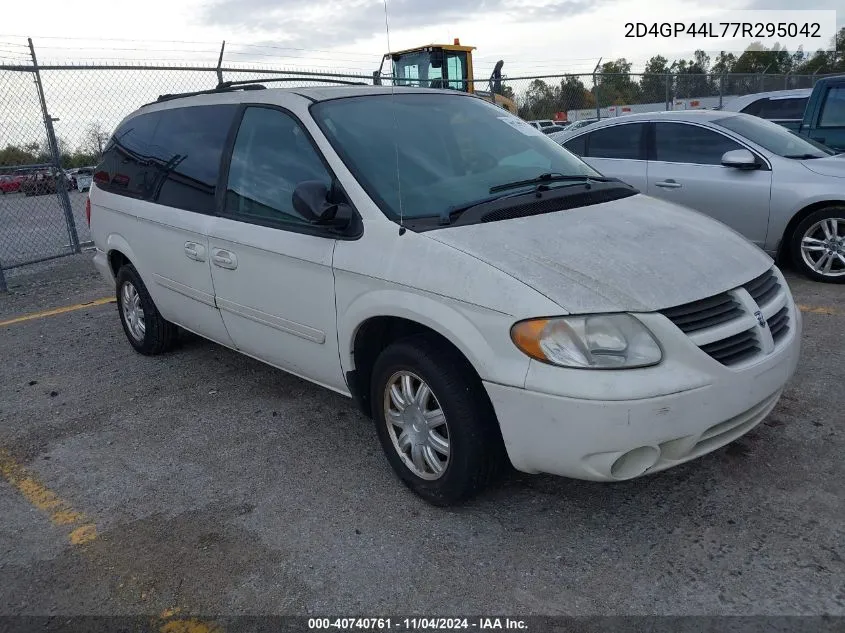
(170, 157)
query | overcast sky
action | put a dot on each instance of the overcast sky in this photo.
(532, 36)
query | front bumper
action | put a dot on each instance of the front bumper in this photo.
(617, 425)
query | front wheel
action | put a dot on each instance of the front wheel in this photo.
(818, 245)
(434, 420)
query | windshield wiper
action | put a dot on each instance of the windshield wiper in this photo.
(451, 214)
(804, 156)
(545, 178)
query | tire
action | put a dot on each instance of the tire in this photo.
(475, 450)
(155, 335)
(818, 245)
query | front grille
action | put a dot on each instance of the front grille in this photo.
(704, 313)
(723, 326)
(779, 324)
(764, 288)
(734, 349)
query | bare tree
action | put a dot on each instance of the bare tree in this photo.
(94, 139)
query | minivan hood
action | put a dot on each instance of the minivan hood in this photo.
(636, 254)
(827, 166)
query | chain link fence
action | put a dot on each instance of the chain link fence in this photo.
(55, 119)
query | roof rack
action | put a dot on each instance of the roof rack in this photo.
(248, 82)
(180, 95)
(254, 84)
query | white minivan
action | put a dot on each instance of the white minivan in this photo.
(483, 294)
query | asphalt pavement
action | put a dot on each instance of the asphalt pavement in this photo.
(203, 481)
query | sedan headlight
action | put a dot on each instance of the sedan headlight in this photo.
(600, 341)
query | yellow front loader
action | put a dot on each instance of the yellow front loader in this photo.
(443, 66)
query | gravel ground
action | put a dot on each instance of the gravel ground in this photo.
(220, 485)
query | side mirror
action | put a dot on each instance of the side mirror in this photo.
(311, 200)
(740, 159)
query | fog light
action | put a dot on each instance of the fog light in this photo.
(635, 462)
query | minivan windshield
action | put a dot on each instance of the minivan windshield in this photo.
(448, 150)
(773, 137)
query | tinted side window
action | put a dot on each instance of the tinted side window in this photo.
(124, 166)
(682, 143)
(833, 109)
(272, 155)
(577, 146)
(754, 107)
(185, 155)
(783, 108)
(616, 141)
(171, 157)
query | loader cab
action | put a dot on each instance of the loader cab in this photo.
(434, 66)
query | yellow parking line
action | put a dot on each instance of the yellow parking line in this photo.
(46, 313)
(818, 310)
(47, 501)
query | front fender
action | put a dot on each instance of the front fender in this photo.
(482, 335)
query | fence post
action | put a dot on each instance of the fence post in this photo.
(596, 88)
(668, 81)
(3, 287)
(721, 88)
(762, 76)
(61, 185)
(786, 80)
(220, 63)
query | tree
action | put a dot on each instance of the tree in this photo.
(653, 82)
(615, 84)
(539, 102)
(13, 155)
(94, 140)
(573, 95)
(692, 78)
(832, 61)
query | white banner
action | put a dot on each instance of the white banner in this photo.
(735, 31)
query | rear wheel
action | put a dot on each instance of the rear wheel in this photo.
(148, 332)
(434, 420)
(818, 245)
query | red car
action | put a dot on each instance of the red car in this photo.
(10, 184)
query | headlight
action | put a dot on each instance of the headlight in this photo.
(601, 341)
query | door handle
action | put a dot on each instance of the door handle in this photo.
(195, 251)
(668, 184)
(224, 259)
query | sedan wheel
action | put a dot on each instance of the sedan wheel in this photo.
(823, 248)
(817, 245)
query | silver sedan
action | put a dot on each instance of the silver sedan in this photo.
(781, 191)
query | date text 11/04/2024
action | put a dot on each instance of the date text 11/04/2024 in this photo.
(417, 624)
(721, 30)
